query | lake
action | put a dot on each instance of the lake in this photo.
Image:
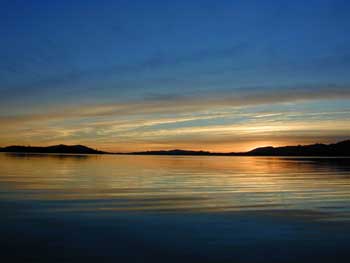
(124, 208)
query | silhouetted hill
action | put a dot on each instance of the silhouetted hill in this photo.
(77, 149)
(336, 149)
(175, 152)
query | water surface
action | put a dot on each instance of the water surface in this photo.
(71, 208)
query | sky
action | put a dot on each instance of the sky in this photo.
(148, 75)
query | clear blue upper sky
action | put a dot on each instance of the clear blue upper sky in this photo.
(73, 65)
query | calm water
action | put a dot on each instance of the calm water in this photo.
(66, 208)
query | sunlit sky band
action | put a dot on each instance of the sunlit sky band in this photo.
(144, 75)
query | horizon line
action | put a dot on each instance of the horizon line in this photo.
(175, 149)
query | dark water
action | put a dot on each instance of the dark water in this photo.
(64, 208)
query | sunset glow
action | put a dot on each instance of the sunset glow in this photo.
(116, 80)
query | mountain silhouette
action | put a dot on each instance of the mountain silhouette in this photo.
(174, 152)
(336, 149)
(74, 149)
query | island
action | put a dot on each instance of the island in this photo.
(61, 148)
(335, 149)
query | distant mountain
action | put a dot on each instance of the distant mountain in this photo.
(75, 149)
(175, 152)
(336, 149)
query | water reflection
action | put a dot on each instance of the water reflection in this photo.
(47, 155)
(69, 208)
(100, 183)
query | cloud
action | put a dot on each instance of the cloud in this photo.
(44, 66)
(187, 119)
(168, 104)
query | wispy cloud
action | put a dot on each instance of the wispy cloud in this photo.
(239, 97)
(191, 104)
(163, 120)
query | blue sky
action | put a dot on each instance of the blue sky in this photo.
(80, 71)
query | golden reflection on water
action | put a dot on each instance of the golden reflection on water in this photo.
(176, 183)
